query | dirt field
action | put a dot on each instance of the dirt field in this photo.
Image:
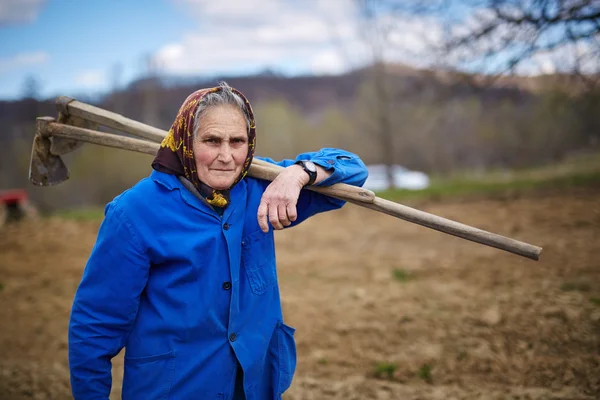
(384, 309)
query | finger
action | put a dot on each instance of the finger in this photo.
(263, 208)
(292, 213)
(274, 217)
(283, 215)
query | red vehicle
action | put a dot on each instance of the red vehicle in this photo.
(15, 205)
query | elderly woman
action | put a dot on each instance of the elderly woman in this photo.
(183, 271)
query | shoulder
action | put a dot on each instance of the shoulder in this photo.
(135, 195)
(141, 199)
(135, 210)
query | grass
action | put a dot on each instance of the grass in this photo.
(401, 275)
(424, 373)
(575, 286)
(595, 300)
(1, 286)
(385, 370)
(575, 172)
(454, 187)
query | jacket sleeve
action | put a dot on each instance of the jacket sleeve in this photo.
(105, 305)
(346, 168)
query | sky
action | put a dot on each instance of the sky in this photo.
(92, 46)
(74, 47)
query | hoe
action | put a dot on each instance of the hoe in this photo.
(78, 123)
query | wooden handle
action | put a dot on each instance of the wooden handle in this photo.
(454, 228)
(100, 138)
(70, 106)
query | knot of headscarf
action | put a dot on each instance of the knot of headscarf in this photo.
(176, 153)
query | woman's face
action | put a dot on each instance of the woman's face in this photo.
(220, 146)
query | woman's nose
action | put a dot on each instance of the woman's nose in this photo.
(225, 152)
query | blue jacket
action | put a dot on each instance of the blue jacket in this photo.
(189, 293)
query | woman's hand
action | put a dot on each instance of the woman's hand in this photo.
(278, 202)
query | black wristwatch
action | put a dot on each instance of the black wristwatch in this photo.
(310, 168)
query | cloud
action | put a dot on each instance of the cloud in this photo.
(22, 60)
(581, 56)
(414, 39)
(90, 79)
(313, 36)
(19, 11)
(327, 62)
(327, 36)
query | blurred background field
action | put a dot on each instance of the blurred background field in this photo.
(384, 309)
(495, 102)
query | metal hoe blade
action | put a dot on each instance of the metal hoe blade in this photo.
(45, 169)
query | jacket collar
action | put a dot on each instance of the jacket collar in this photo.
(172, 182)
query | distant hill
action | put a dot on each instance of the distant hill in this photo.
(309, 94)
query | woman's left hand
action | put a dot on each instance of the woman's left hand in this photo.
(278, 202)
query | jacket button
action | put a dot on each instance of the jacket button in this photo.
(232, 337)
(225, 226)
(226, 285)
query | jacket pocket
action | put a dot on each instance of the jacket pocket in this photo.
(283, 355)
(258, 257)
(148, 377)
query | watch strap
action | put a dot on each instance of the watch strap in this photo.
(312, 175)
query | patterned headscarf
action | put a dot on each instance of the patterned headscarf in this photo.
(176, 153)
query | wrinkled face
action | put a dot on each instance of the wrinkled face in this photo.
(220, 146)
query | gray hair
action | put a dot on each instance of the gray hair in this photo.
(225, 96)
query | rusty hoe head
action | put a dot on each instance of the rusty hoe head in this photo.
(46, 167)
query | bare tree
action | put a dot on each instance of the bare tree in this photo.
(31, 87)
(117, 97)
(375, 34)
(506, 36)
(151, 86)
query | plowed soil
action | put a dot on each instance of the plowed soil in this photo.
(384, 309)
